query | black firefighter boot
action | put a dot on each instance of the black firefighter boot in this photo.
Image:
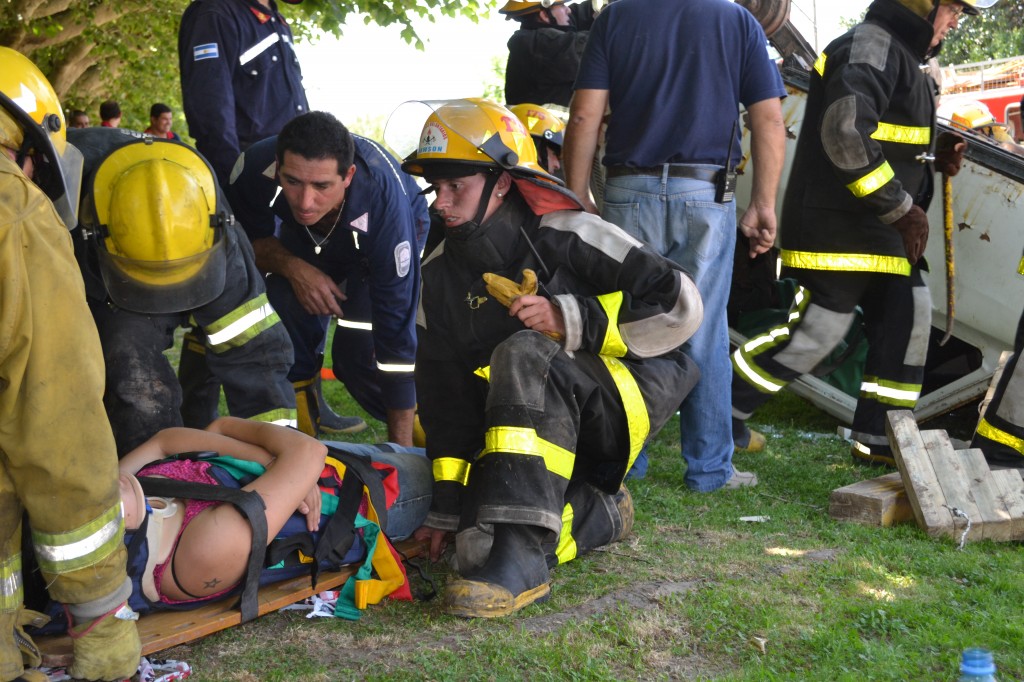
(514, 576)
(332, 423)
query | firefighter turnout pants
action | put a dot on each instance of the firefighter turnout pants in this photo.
(57, 456)
(1000, 432)
(561, 434)
(897, 322)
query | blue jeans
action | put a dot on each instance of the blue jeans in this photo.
(679, 219)
(415, 483)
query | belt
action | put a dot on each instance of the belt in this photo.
(674, 171)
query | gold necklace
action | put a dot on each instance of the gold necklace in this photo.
(318, 245)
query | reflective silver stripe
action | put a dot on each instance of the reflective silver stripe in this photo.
(395, 367)
(258, 49)
(349, 324)
(750, 374)
(81, 547)
(10, 583)
(294, 423)
(241, 325)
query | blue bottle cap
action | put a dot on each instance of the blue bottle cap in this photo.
(977, 662)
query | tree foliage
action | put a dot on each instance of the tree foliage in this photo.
(92, 50)
(997, 33)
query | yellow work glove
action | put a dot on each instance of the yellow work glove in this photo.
(107, 648)
(505, 290)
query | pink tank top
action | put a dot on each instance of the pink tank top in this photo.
(190, 471)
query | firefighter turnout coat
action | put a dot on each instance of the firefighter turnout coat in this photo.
(513, 417)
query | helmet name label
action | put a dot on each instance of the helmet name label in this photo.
(434, 139)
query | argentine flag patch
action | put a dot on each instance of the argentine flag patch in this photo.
(205, 51)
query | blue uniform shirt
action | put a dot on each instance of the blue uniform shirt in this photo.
(375, 243)
(240, 78)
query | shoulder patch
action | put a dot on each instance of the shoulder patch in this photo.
(403, 258)
(205, 51)
(870, 46)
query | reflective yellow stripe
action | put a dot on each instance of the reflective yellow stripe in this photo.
(819, 64)
(998, 435)
(637, 419)
(889, 132)
(846, 262)
(743, 359)
(11, 595)
(524, 441)
(890, 392)
(451, 469)
(872, 181)
(613, 344)
(241, 325)
(84, 546)
(1020, 266)
(566, 550)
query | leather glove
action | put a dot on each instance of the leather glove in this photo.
(505, 290)
(107, 648)
(949, 153)
(913, 227)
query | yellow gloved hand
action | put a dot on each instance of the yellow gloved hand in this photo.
(505, 290)
(107, 648)
(29, 651)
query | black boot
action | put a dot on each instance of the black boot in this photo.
(332, 423)
(514, 576)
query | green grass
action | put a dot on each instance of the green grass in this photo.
(695, 593)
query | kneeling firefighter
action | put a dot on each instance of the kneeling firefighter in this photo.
(159, 249)
(58, 464)
(535, 397)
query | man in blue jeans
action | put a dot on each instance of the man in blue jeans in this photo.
(669, 141)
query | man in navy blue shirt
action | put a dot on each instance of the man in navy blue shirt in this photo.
(240, 77)
(672, 133)
(336, 224)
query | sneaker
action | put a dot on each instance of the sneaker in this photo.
(330, 422)
(756, 443)
(741, 479)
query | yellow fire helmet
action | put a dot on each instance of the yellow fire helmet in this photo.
(465, 136)
(972, 115)
(160, 238)
(32, 124)
(542, 123)
(518, 8)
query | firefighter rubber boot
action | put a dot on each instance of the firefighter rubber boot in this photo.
(514, 576)
(332, 423)
(106, 648)
(307, 407)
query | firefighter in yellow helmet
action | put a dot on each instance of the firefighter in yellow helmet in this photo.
(159, 248)
(536, 389)
(547, 131)
(58, 461)
(854, 225)
(544, 54)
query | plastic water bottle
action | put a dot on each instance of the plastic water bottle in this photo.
(976, 665)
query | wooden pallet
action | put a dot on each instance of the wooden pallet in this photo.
(878, 501)
(947, 487)
(164, 629)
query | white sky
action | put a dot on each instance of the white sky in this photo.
(371, 70)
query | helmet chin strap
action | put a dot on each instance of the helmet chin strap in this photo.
(490, 180)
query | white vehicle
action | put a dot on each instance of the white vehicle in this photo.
(988, 240)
